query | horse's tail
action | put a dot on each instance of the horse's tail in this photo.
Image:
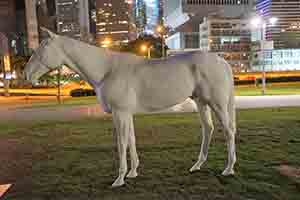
(232, 111)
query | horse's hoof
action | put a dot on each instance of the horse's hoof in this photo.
(228, 172)
(195, 168)
(132, 174)
(118, 183)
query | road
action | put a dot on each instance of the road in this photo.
(75, 112)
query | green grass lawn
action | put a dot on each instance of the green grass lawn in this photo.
(271, 89)
(71, 101)
(77, 159)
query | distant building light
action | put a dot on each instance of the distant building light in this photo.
(117, 32)
(123, 22)
(102, 33)
(65, 3)
(101, 24)
(7, 65)
(129, 1)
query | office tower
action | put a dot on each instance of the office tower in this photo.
(7, 16)
(184, 16)
(148, 14)
(288, 14)
(73, 17)
(32, 24)
(113, 22)
(229, 37)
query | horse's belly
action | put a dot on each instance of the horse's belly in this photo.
(164, 96)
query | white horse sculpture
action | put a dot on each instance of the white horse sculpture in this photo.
(126, 84)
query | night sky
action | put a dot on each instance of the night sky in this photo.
(20, 4)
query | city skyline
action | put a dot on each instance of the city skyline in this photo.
(119, 22)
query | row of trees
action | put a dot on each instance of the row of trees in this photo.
(144, 40)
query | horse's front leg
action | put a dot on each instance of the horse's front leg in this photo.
(122, 125)
(133, 153)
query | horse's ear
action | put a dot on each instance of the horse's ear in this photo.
(48, 32)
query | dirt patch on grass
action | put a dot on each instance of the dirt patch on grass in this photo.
(290, 171)
(16, 158)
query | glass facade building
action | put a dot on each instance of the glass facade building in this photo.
(148, 14)
(277, 60)
(288, 14)
(113, 22)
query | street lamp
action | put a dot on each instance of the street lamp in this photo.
(106, 42)
(259, 23)
(160, 29)
(145, 48)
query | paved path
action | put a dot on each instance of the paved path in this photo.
(75, 112)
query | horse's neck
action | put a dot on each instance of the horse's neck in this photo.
(90, 62)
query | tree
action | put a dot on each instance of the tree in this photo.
(148, 40)
(18, 64)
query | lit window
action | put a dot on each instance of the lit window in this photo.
(123, 22)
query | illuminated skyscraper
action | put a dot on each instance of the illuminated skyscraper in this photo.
(7, 16)
(73, 17)
(184, 17)
(114, 21)
(149, 14)
(140, 16)
(32, 25)
(287, 26)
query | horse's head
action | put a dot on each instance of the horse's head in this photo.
(46, 57)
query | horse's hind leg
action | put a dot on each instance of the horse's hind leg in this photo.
(207, 130)
(122, 124)
(227, 121)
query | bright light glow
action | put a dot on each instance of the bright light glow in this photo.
(129, 1)
(144, 48)
(6, 63)
(159, 29)
(106, 42)
(256, 22)
(273, 20)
